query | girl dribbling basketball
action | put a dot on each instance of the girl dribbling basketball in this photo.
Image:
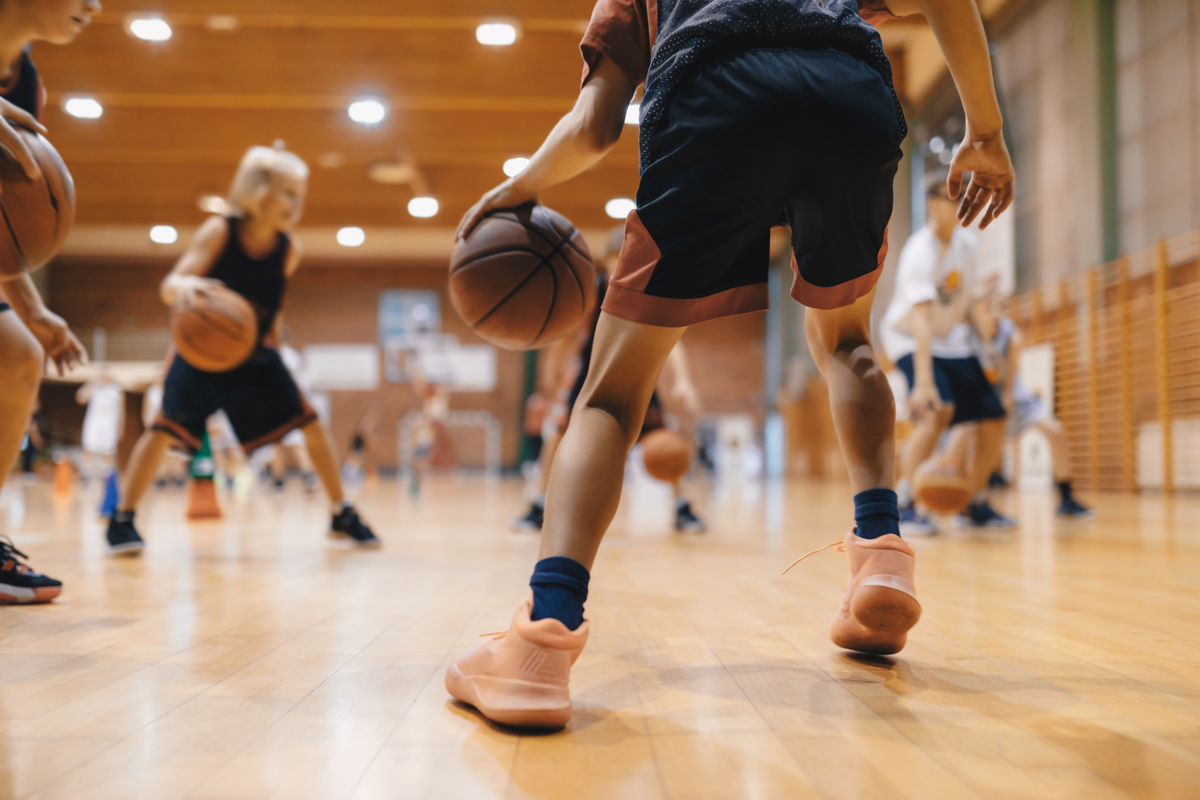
(250, 251)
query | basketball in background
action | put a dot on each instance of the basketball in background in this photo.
(37, 214)
(522, 277)
(218, 333)
(941, 488)
(666, 455)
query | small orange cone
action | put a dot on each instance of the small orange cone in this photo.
(202, 500)
(64, 475)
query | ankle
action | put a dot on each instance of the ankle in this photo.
(560, 587)
(876, 513)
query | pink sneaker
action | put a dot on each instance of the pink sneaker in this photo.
(881, 605)
(520, 677)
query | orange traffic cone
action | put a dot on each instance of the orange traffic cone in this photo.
(64, 475)
(202, 500)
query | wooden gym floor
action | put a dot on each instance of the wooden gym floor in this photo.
(245, 659)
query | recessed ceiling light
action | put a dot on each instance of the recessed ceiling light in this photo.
(496, 34)
(367, 111)
(619, 208)
(164, 234)
(423, 207)
(150, 29)
(83, 107)
(633, 114)
(351, 237)
(515, 166)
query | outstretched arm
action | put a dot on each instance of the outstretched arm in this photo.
(577, 142)
(959, 31)
(187, 280)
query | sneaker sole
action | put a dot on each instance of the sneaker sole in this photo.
(130, 549)
(541, 705)
(881, 619)
(24, 596)
(342, 538)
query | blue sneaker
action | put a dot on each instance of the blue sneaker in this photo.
(913, 523)
(1075, 510)
(983, 516)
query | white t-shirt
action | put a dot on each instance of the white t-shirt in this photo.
(102, 420)
(931, 271)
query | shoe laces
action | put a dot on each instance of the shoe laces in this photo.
(840, 545)
(9, 552)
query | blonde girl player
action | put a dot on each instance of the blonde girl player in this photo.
(252, 252)
(29, 332)
(754, 111)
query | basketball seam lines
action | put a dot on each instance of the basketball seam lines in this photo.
(489, 253)
(549, 311)
(513, 291)
(565, 240)
(543, 261)
(12, 234)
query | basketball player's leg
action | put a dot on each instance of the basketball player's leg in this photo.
(1064, 478)
(589, 467)
(976, 401)
(320, 453)
(21, 361)
(143, 466)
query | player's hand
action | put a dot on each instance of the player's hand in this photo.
(922, 399)
(506, 195)
(12, 143)
(56, 339)
(986, 158)
(190, 288)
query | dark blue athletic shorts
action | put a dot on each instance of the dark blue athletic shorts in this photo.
(4, 306)
(260, 398)
(755, 139)
(961, 381)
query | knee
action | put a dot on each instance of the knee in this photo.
(21, 367)
(620, 408)
(945, 415)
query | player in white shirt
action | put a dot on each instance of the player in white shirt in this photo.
(102, 422)
(928, 333)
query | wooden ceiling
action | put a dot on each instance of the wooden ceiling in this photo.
(179, 114)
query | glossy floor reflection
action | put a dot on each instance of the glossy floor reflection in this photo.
(247, 659)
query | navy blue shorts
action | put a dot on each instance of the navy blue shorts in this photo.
(962, 383)
(260, 398)
(4, 306)
(755, 139)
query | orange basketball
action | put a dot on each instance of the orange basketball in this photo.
(941, 488)
(37, 214)
(666, 455)
(523, 277)
(218, 333)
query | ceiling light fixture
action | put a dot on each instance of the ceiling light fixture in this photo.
(496, 34)
(83, 107)
(423, 207)
(515, 166)
(351, 237)
(150, 29)
(367, 111)
(619, 207)
(164, 234)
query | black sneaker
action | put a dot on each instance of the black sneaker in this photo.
(19, 583)
(346, 525)
(123, 538)
(1075, 510)
(531, 521)
(686, 521)
(997, 481)
(983, 516)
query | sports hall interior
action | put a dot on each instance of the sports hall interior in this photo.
(242, 657)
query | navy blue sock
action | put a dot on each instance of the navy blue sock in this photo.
(876, 513)
(560, 587)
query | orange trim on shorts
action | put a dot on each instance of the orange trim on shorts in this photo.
(638, 258)
(828, 298)
(672, 312)
(161, 423)
(305, 417)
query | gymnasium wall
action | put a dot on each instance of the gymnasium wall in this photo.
(331, 303)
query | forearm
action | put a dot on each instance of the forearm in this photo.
(569, 150)
(22, 295)
(959, 31)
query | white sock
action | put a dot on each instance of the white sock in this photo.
(904, 493)
(681, 503)
(540, 501)
(337, 508)
(979, 498)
